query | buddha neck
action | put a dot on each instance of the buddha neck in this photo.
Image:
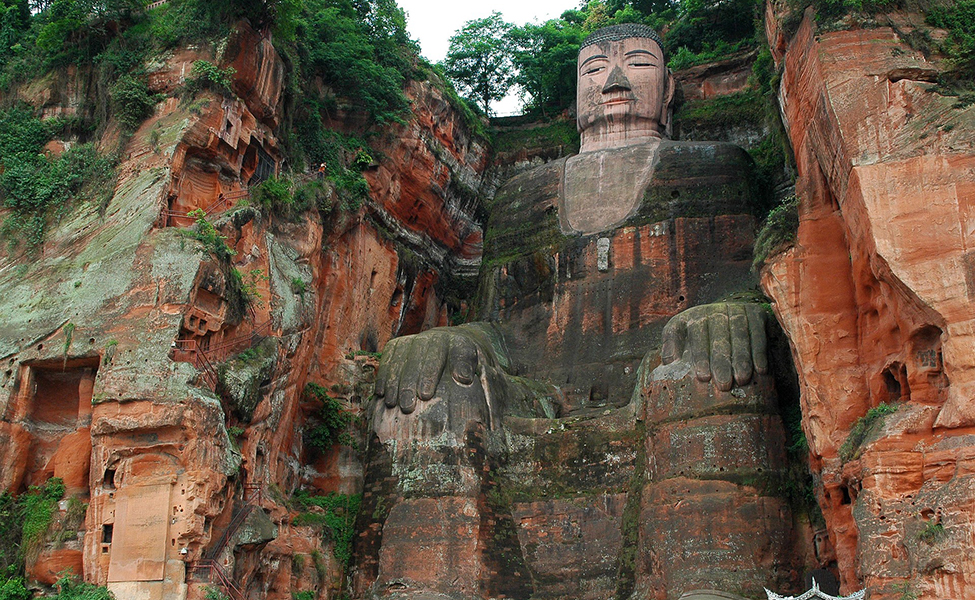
(617, 134)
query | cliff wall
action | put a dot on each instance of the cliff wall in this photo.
(112, 332)
(875, 297)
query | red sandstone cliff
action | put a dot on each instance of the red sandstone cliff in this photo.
(98, 330)
(875, 297)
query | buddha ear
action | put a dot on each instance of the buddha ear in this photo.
(667, 110)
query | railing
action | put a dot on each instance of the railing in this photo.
(156, 4)
(222, 351)
(224, 203)
(254, 491)
(229, 586)
(232, 528)
(190, 351)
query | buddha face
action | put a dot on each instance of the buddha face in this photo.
(624, 89)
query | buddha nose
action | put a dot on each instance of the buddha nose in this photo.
(617, 81)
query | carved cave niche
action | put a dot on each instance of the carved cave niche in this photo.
(258, 165)
(53, 403)
(893, 385)
(926, 375)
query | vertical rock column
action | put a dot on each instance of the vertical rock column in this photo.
(430, 539)
(707, 521)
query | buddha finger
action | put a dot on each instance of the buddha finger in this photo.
(674, 337)
(463, 359)
(720, 336)
(698, 342)
(757, 319)
(432, 364)
(741, 353)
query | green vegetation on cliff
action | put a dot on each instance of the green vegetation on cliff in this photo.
(959, 20)
(332, 421)
(337, 518)
(38, 187)
(543, 56)
(867, 425)
(27, 523)
(778, 232)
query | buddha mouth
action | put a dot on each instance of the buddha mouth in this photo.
(615, 101)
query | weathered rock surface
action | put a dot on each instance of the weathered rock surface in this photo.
(96, 390)
(875, 297)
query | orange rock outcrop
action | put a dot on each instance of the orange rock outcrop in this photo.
(97, 390)
(875, 297)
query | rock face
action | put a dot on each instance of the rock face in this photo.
(875, 297)
(585, 489)
(108, 333)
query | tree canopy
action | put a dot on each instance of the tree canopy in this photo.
(479, 61)
(488, 56)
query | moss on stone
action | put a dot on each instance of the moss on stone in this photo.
(561, 134)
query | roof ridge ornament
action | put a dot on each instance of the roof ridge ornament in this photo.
(815, 592)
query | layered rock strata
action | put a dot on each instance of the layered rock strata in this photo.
(103, 333)
(875, 297)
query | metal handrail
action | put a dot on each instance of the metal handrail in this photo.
(200, 360)
(223, 203)
(226, 347)
(203, 360)
(232, 528)
(229, 586)
(254, 487)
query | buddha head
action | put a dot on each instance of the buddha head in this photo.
(624, 89)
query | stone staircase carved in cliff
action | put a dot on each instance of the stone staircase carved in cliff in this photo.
(224, 202)
(208, 567)
(191, 352)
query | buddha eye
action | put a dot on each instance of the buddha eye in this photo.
(593, 70)
(642, 65)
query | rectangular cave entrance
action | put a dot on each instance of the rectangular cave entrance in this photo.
(54, 404)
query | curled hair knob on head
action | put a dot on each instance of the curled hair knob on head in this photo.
(615, 33)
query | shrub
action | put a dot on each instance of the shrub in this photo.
(723, 111)
(213, 242)
(215, 593)
(958, 18)
(339, 517)
(864, 426)
(72, 588)
(132, 102)
(39, 504)
(282, 196)
(37, 188)
(333, 421)
(184, 21)
(11, 533)
(246, 285)
(272, 193)
(778, 232)
(13, 589)
(932, 532)
(207, 76)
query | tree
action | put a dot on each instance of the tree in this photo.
(479, 60)
(545, 63)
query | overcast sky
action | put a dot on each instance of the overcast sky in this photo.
(432, 22)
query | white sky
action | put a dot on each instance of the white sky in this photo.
(432, 22)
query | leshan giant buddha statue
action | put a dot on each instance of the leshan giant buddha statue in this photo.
(548, 450)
